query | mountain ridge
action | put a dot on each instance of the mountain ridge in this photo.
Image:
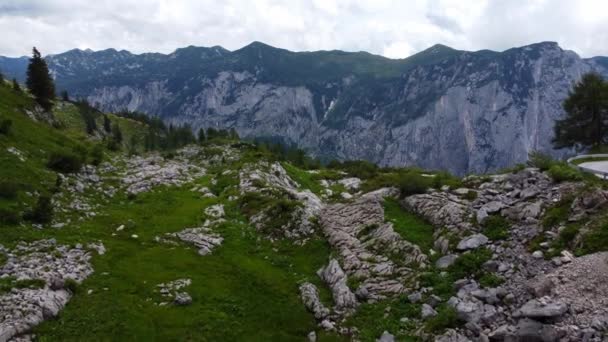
(438, 109)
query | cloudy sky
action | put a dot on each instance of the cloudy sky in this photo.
(393, 28)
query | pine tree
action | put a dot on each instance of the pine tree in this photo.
(65, 96)
(233, 134)
(117, 134)
(587, 114)
(107, 124)
(39, 81)
(16, 86)
(201, 136)
(1, 78)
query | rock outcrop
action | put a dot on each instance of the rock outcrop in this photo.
(21, 309)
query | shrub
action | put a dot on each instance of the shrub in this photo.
(469, 264)
(446, 178)
(9, 216)
(496, 227)
(595, 241)
(471, 195)
(71, 285)
(414, 183)
(490, 280)
(563, 173)
(558, 213)
(8, 190)
(356, 168)
(65, 162)
(113, 145)
(97, 155)
(540, 160)
(5, 126)
(446, 318)
(42, 212)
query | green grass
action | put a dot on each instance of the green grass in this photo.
(305, 179)
(410, 226)
(373, 319)
(247, 287)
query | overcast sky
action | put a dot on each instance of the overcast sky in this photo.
(395, 29)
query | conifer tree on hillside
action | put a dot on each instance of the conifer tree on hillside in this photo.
(107, 124)
(39, 81)
(586, 121)
(16, 86)
(201, 136)
(1, 77)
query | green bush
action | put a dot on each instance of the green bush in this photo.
(96, 155)
(469, 264)
(595, 241)
(490, 280)
(8, 190)
(540, 160)
(446, 318)
(557, 213)
(278, 207)
(471, 195)
(65, 162)
(5, 126)
(356, 168)
(446, 178)
(496, 227)
(563, 173)
(42, 212)
(9, 216)
(71, 285)
(414, 183)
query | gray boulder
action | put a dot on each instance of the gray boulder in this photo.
(446, 261)
(472, 242)
(428, 311)
(386, 337)
(543, 308)
(182, 298)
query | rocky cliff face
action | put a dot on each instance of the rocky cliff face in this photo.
(467, 112)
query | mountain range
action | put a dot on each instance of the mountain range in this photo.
(442, 108)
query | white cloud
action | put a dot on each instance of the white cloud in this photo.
(394, 28)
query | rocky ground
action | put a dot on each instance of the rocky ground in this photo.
(40, 274)
(538, 293)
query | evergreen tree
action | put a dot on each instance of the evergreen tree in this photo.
(39, 81)
(211, 133)
(587, 114)
(1, 78)
(65, 96)
(233, 134)
(116, 134)
(107, 124)
(16, 86)
(201, 136)
(88, 116)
